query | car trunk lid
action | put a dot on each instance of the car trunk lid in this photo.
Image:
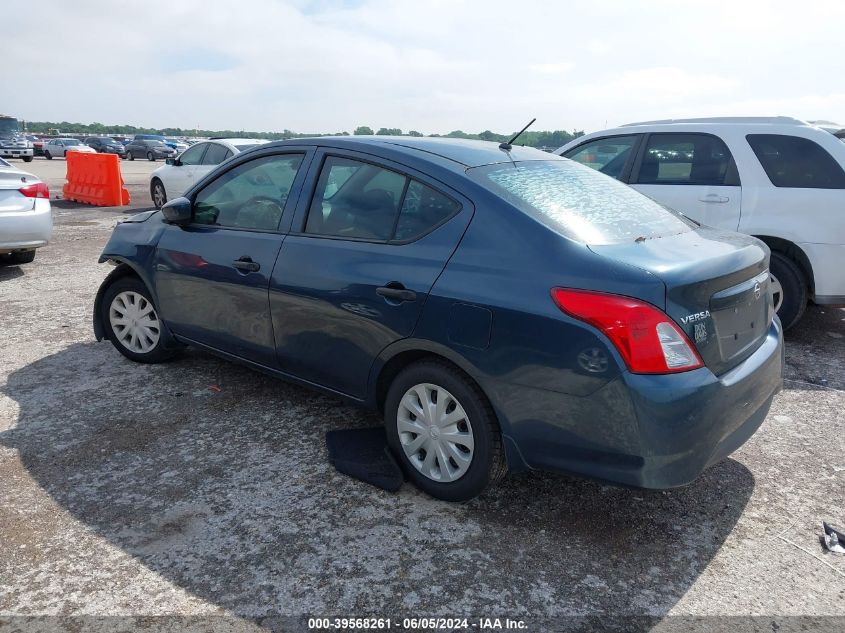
(717, 289)
(11, 199)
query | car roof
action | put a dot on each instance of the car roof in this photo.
(463, 152)
(726, 120)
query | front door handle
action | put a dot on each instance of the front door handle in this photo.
(396, 292)
(712, 197)
(245, 264)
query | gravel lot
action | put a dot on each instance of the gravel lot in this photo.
(200, 488)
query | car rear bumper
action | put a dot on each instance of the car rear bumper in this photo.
(649, 431)
(23, 230)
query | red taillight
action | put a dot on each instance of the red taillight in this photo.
(36, 190)
(648, 340)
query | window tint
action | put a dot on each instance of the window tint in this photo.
(356, 200)
(215, 154)
(423, 209)
(607, 155)
(792, 161)
(684, 159)
(192, 155)
(578, 202)
(250, 196)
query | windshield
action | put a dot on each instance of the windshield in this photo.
(579, 202)
(9, 126)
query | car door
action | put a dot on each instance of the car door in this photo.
(183, 173)
(358, 264)
(693, 173)
(212, 275)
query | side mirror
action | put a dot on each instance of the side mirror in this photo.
(169, 161)
(177, 211)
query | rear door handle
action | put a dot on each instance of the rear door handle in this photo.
(245, 264)
(396, 292)
(714, 198)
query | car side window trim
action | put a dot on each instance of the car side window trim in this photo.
(633, 156)
(291, 204)
(731, 175)
(314, 180)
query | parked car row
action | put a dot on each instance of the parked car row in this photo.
(778, 179)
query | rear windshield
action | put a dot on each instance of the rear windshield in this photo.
(579, 202)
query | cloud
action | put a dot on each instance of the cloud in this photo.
(435, 66)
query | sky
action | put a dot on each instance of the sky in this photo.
(434, 67)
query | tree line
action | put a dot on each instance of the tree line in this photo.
(546, 139)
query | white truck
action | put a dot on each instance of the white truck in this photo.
(12, 143)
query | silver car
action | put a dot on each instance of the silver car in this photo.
(26, 222)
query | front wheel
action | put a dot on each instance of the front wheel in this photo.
(789, 289)
(443, 431)
(48, 156)
(27, 159)
(159, 195)
(131, 321)
(130, 155)
(151, 156)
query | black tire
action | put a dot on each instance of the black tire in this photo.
(157, 184)
(794, 288)
(48, 156)
(488, 463)
(27, 159)
(151, 157)
(130, 155)
(158, 353)
(21, 257)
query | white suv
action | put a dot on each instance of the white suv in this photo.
(779, 179)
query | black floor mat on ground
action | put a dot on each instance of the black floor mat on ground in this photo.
(363, 454)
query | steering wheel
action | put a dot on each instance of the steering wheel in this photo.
(262, 212)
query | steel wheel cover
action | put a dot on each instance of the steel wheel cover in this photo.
(134, 322)
(776, 290)
(435, 432)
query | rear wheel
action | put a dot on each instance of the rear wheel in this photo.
(443, 431)
(159, 195)
(131, 321)
(21, 257)
(789, 289)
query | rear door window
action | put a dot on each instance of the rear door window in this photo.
(686, 159)
(793, 161)
(355, 200)
(215, 154)
(608, 155)
(423, 209)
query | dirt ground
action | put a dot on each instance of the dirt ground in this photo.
(200, 488)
